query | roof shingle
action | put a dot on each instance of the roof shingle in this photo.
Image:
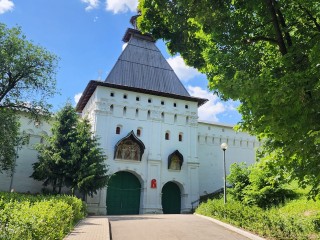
(141, 65)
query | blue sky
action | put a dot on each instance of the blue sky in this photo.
(87, 37)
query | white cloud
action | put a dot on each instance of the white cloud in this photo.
(124, 46)
(121, 6)
(212, 108)
(92, 4)
(6, 5)
(184, 72)
(77, 97)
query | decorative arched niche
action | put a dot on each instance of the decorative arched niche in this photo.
(175, 160)
(129, 148)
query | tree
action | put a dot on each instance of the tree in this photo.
(88, 173)
(239, 179)
(264, 54)
(259, 184)
(27, 80)
(71, 157)
(9, 128)
(56, 154)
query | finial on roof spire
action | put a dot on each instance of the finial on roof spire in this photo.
(133, 21)
(135, 32)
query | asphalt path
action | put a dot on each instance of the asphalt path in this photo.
(168, 227)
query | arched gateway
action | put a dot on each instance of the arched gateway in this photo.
(171, 198)
(123, 194)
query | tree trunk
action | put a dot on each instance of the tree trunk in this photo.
(283, 24)
(275, 22)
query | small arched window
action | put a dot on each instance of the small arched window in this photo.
(149, 114)
(167, 136)
(175, 118)
(118, 130)
(111, 108)
(180, 137)
(137, 112)
(162, 116)
(175, 161)
(124, 111)
(139, 132)
(187, 120)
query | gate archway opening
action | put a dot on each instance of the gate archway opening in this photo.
(123, 194)
(171, 198)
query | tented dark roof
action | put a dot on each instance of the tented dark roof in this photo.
(141, 68)
(141, 65)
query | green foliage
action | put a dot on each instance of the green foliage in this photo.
(239, 179)
(71, 157)
(27, 80)
(9, 130)
(27, 73)
(264, 54)
(55, 155)
(260, 184)
(89, 173)
(27, 217)
(276, 223)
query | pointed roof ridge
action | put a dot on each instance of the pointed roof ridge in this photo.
(142, 68)
(142, 65)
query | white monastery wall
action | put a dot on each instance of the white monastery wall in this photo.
(21, 181)
(154, 116)
(241, 148)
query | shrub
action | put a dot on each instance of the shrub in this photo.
(239, 179)
(38, 217)
(260, 184)
(269, 223)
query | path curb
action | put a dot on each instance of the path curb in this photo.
(232, 228)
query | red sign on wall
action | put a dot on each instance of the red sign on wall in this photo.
(153, 183)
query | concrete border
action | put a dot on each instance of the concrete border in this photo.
(232, 228)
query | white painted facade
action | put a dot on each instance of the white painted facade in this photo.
(202, 169)
(20, 181)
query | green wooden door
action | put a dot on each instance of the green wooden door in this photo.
(171, 198)
(123, 194)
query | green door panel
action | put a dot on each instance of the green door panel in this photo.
(171, 198)
(123, 194)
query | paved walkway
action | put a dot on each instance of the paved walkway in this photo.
(156, 227)
(169, 227)
(91, 228)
